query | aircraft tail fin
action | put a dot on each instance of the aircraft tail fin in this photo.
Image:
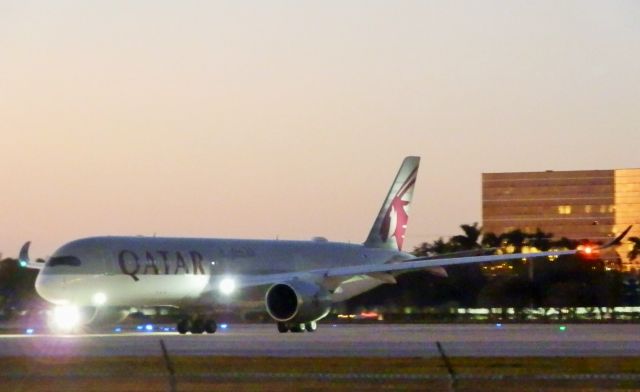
(391, 223)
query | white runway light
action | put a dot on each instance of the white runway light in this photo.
(227, 286)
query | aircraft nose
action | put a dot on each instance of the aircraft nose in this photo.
(51, 288)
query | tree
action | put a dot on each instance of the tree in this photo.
(635, 251)
(541, 240)
(438, 247)
(491, 240)
(516, 238)
(469, 240)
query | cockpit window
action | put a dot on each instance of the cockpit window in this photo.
(64, 260)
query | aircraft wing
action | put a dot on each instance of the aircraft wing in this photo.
(334, 276)
(346, 272)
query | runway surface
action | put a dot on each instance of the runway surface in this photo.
(375, 340)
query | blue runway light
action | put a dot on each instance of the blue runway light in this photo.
(148, 328)
(166, 329)
(140, 327)
(117, 329)
(498, 325)
(224, 326)
(29, 331)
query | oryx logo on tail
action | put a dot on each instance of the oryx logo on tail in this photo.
(389, 229)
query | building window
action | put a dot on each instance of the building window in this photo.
(564, 210)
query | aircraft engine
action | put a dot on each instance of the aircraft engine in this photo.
(297, 301)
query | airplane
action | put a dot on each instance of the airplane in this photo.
(100, 279)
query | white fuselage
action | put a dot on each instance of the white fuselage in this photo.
(150, 271)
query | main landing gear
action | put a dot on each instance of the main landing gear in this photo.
(196, 325)
(297, 328)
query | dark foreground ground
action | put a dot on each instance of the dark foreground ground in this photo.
(317, 374)
(340, 358)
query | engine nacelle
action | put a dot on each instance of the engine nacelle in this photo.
(297, 301)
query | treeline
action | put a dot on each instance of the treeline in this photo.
(17, 289)
(564, 282)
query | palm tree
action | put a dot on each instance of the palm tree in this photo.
(469, 240)
(635, 251)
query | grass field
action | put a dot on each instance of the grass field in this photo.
(316, 374)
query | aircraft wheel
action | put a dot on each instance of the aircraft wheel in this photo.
(183, 326)
(282, 328)
(197, 326)
(297, 328)
(311, 327)
(210, 326)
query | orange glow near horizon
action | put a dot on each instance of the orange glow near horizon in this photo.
(289, 120)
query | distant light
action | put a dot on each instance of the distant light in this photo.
(563, 328)
(227, 286)
(99, 299)
(29, 331)
(23, 264)
(224, 326)
(148, 327)
(117, 329)
(140, 327)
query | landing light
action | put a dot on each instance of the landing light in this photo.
(99, 299)
(227, 286)
(66, 317)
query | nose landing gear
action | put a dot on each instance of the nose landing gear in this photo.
(196, 325)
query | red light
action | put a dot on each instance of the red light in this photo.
(588, 251)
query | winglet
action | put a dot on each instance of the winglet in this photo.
(24, 254)
(24, 258)
(617, 240)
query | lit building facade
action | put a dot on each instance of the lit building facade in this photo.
(584, 204)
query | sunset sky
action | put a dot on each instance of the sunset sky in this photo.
(265, 119)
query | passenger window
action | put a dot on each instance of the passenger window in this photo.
(64, 260)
